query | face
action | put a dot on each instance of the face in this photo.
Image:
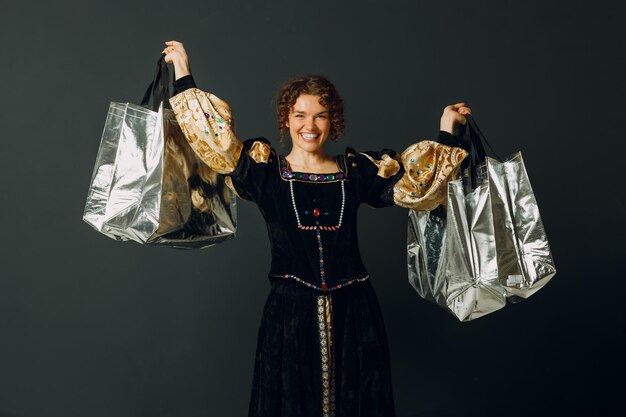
(309, 123)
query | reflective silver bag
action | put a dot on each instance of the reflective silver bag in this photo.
(149, 186)
(489, 247)
(525, 261)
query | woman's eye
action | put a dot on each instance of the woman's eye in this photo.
(321, 117)
(299, 116)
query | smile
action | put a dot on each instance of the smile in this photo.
(309, 136)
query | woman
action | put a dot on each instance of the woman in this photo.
(322, 348)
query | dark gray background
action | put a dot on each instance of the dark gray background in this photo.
(93, 327)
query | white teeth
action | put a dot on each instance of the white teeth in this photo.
(309, 135)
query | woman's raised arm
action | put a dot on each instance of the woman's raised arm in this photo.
(429, 166)
(209, 129)
(176, 55)
(205, 119)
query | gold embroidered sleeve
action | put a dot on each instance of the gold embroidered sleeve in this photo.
(387, 166)
(208, 126)
(260, 152)
(429, 166)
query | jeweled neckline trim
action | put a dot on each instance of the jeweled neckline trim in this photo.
(287, 174)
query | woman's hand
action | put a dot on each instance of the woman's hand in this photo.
(175, 54)
(453, 114)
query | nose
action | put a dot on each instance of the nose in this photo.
(309, 123)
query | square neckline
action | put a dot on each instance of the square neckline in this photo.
(287, 174)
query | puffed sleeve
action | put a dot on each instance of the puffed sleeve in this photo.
(251, 177)
(208, 126)
(373, 174)
(416, 179)
(429, 166)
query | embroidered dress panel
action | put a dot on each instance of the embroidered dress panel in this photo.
(318, 229)
(327, 354)
(316, 212)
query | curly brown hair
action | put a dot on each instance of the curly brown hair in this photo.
(315, 85)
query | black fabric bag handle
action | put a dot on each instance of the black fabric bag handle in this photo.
(159, 88)
(473, 136)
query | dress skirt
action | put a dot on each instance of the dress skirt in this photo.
(321, 354)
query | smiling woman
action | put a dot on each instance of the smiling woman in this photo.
(311, 110)
(328, 103)
(322, 347)
(308, 123)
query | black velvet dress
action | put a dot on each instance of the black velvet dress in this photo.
(322, 348)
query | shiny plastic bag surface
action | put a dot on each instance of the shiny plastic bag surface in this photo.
(148, 185)
(489, 247)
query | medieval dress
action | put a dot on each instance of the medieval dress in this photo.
(322, 349)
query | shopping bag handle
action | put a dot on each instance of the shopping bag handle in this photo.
(476, 139)
(159, 88)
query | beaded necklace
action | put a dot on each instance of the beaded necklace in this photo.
(316, 211)
(318, 229)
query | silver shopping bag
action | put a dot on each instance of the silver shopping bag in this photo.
(452, 257)
(489, 247)
(149, 186)
(525, 261)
